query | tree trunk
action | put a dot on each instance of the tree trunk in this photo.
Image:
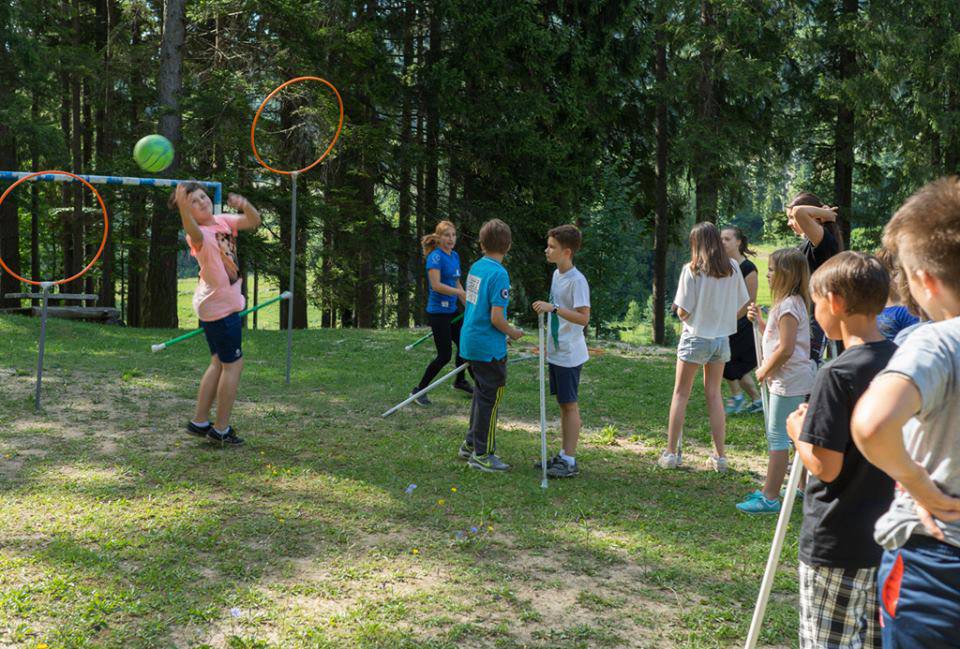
(137, 213)
(160, 308)
(76, 153)
(844, 133)
(34, 193)
(9, 217)
(105, 14)
(708, 113)
(431, 186)
(404, 244)
(662, 224)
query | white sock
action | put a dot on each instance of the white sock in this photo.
(222, 432)
(201, 424)
(569, 459)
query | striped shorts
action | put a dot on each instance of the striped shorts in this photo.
(838, 608)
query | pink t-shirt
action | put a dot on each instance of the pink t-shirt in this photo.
(795, 377)
(218, 292)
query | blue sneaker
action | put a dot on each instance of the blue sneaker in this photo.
(759, 506)
(756, 406)
(734, 404)
(753, 496)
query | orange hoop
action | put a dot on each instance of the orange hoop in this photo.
(103, 242)
(256, 117)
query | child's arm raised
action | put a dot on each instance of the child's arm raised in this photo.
(190, 226)
(810, 219)
(788, 325)
(877, 429)
(498, 320)
(250, 219)
(822, 463)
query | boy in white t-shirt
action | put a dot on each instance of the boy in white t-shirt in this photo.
(568, 312)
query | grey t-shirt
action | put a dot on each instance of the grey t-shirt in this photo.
(930, 358)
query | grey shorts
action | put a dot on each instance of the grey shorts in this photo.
(700, 351)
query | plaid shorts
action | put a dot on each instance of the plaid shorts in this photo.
(838, 608)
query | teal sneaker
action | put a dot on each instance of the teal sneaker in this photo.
(489, 463)
(753, 496)
(466, 450)
(734, 404)
(759, 506)
(756, 406)
(783, 493)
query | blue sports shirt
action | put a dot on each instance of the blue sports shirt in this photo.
(487, 286)
(449, 267)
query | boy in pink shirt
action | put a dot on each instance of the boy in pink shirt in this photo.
(217, 301)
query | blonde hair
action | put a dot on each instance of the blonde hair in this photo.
(706, 252)
(430, 242)
(791, 275)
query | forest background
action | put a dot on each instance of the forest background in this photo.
(632, 119)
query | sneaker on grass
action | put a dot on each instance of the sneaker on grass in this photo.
(734, 404)
(466, 450)
(550, 462)
(226, 438)
(463, 386)
(718, 464)
(489, 463)
(422, 400)
(668, 460)
(199, 431)
(563, 469)
(756, 406)
(759, 506)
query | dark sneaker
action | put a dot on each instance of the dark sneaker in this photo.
(466, 450)
(228, 438)
(550, 462)
(199, 431)
(422, 400)
(489, 463)
(463, 386)
(561, 469)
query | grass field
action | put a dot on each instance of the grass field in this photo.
(119, 530)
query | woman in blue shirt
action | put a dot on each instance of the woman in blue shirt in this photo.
(445, 291)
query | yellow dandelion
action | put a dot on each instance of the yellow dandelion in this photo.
(415, 551)
(441, 502)
(42, 645)
(453, 489)
(489, 528)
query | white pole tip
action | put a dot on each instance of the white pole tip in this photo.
(157, 348)
(286, 295)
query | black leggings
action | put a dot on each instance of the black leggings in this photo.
(445, 332)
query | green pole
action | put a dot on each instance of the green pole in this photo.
(429, 335)
(161, 346)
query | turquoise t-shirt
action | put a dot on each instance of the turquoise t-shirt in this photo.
(487, 286)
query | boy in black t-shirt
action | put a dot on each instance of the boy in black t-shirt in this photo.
(845, 494)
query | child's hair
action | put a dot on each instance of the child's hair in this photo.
(495, 237)
(860, 279)
(791, 275)
(191, 186)
(807, 198)
(706, 252)
(568, 236)
(924, 233)
(744, 245)
(889, 262)
(430, 242)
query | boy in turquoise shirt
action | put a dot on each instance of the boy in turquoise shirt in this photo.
(483, 343)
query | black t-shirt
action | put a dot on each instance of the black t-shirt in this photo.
(818, 255)
(839, 516)
(746, 267)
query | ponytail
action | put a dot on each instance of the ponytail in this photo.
(808, 198)
(743, 246)
(430, 242)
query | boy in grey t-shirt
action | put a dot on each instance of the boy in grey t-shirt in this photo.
(919, 576)
(568, 313)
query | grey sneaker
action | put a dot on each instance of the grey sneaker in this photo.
(550, 462)
(422, 400)
(718, 464)
(562, 469)
(668, 460)
(466, 450)
(489, 463)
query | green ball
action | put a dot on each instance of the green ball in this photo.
(153, 153)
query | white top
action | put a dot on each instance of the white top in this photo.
(712, 302)
(569, 290)
(795, 377)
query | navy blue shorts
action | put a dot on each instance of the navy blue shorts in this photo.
(565, 382)
(918, 586)
(224, 338)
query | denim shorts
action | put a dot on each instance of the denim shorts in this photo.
(780, 409)
(224, 338)
(700, 351)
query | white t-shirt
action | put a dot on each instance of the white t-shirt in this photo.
(795, 377)
(571, 291)
(712, 302)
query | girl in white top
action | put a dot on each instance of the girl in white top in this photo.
(786, 369)
(710, 297)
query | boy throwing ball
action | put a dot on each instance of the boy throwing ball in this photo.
(217, 302)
